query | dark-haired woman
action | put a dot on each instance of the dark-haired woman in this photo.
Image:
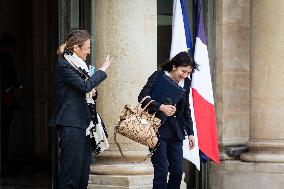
(71, 115)
(171, 105)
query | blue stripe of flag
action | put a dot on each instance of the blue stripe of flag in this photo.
(186, 27)
(199, 22)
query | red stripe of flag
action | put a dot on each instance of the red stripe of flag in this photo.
(206, 126)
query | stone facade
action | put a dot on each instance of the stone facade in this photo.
(249, 97)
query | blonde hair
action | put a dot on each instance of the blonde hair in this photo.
(76, 37)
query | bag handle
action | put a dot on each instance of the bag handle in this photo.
(143, 99)
(140, 103)
(148, 105)
(127, 159)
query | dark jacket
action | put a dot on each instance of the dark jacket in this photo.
(71, 107)
(180, 122)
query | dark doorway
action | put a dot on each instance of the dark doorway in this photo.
(33, 26)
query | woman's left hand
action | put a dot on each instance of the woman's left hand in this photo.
(191, 141)
(94, 92)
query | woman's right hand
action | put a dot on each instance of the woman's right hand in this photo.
(106, 64)
(169, 110)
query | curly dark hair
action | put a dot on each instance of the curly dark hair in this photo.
(181, 59)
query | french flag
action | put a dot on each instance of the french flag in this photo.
(201, 98)
(181, 41)
(202, 94)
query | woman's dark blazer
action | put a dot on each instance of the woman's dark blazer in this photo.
(180, 122)
(71, 107)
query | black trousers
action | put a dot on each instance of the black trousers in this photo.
(75, 158)
(168, 158)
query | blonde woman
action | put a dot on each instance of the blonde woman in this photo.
(72, 115)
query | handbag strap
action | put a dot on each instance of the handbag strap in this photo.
(127, 159)
(148, 104)
(143, 99)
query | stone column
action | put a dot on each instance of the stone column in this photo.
(127, 30)
(266, 143)
(263, 165)
(232, 76)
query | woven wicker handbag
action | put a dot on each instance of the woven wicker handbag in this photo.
(138, 125)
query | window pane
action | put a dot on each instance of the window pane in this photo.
(74, 14)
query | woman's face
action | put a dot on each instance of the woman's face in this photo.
(84, 50)
(180, 73)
